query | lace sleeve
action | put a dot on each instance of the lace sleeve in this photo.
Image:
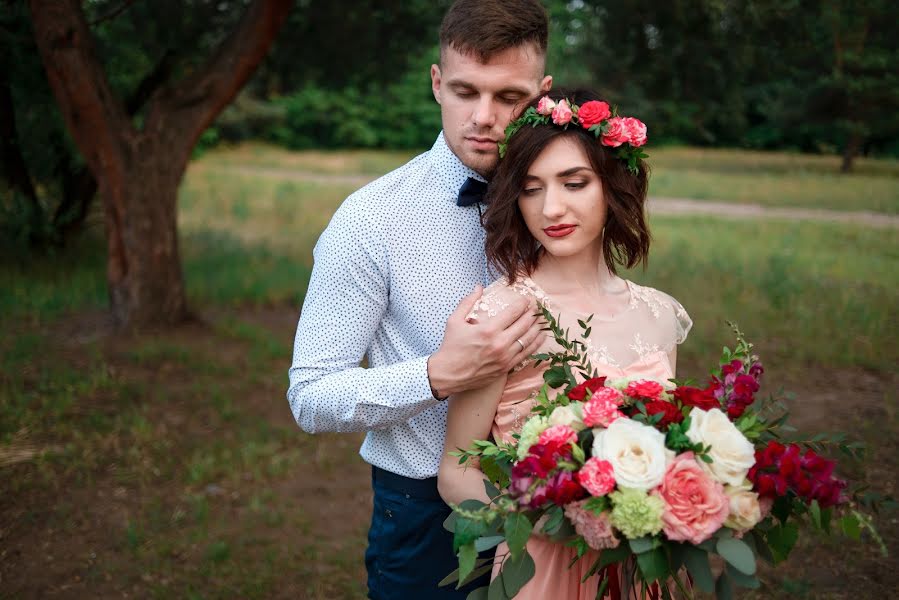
(496, 298)
(682, 322)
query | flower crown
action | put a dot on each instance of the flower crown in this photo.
(626, 134)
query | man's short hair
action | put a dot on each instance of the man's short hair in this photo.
(484, 28)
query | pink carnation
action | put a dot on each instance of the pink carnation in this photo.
(600, 412)
(597, 476)
(645, 389)
(608, 394)
(636, 131)
(616, 133)
(558, 434)
(562, 113)
(595, 529)
(695, 504)
(545, 106)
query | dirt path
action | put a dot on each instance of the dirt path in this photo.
(657, 205)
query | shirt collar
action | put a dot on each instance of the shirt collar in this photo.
(454, 172)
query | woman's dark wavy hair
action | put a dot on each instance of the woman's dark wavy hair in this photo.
(510, 246)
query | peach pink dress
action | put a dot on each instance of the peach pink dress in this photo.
(637, 339)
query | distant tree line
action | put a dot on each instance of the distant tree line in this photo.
(108, 98)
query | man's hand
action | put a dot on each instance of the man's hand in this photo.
(473, 354)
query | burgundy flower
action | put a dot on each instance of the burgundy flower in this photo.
(703, 399)
(670, 413)
(579, 392)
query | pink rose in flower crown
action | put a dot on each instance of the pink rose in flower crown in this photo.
(559, 435)
(601, 412)
(695, 504)
(593, 113)
(636, 131)
(645, 389)
(597, 476)
(616, 133)
(545, 106)
(562, 113)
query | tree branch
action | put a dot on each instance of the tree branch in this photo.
(94, 116)
(113, 13)
(191, 105)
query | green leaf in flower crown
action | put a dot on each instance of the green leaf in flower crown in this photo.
(518, 530)
(697, 563)
(517, 571)
(737, 553)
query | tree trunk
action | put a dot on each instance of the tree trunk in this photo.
(850, 152)
(138, 170)
(146, 284)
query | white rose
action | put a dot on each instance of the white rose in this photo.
(568, 415)
(637, 453)
(745, 511)
(731, 452)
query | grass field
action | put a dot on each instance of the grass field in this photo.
(168, 465)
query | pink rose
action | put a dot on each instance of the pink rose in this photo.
(636, 131)
(600, 412)
(562, 113)
(596, 529)
(558, 434)
(545, 106)
(597, 476)
(695, 504)
(593, 113)
(616, 133)
(645, 389)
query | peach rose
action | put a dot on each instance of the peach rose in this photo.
(616, 133)
(636, 131)
(545, 106)
(695, 504)
(562, 113)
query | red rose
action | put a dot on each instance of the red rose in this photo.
(693, 396)
(670, 413)
(593, 113)
(579, 392)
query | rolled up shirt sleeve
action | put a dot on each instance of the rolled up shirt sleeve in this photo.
(346, 301)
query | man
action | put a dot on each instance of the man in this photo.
(390, 268)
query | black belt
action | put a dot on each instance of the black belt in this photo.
(424, 489)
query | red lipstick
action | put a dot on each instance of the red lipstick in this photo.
(561, 230)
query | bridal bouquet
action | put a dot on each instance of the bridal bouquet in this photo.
(654, 475)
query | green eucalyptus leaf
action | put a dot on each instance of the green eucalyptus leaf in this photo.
(449, 523)
(737, 553)
(555, 515)
(723, 588)
(497, 591)
(517, 571)
(467, 531)
(653, 565)
(643, 544)
(467, 557)
(486, 543)
(518, 530)
(478, 572)
(478, 594)
(697, 563)
(492, 490)
(750, 582)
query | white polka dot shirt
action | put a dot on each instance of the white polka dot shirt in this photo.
(391, 266)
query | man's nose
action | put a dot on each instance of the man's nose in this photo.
(484, 112)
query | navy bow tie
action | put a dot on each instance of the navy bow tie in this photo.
(471, 192)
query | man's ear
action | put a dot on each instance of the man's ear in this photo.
(435, 82)
(546, 84)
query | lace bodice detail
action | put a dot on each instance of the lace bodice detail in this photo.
(649, 328)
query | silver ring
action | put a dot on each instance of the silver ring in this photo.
(520, 343)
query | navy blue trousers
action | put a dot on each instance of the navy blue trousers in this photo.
(409, 551)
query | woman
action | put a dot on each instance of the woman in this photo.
(566, 209)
